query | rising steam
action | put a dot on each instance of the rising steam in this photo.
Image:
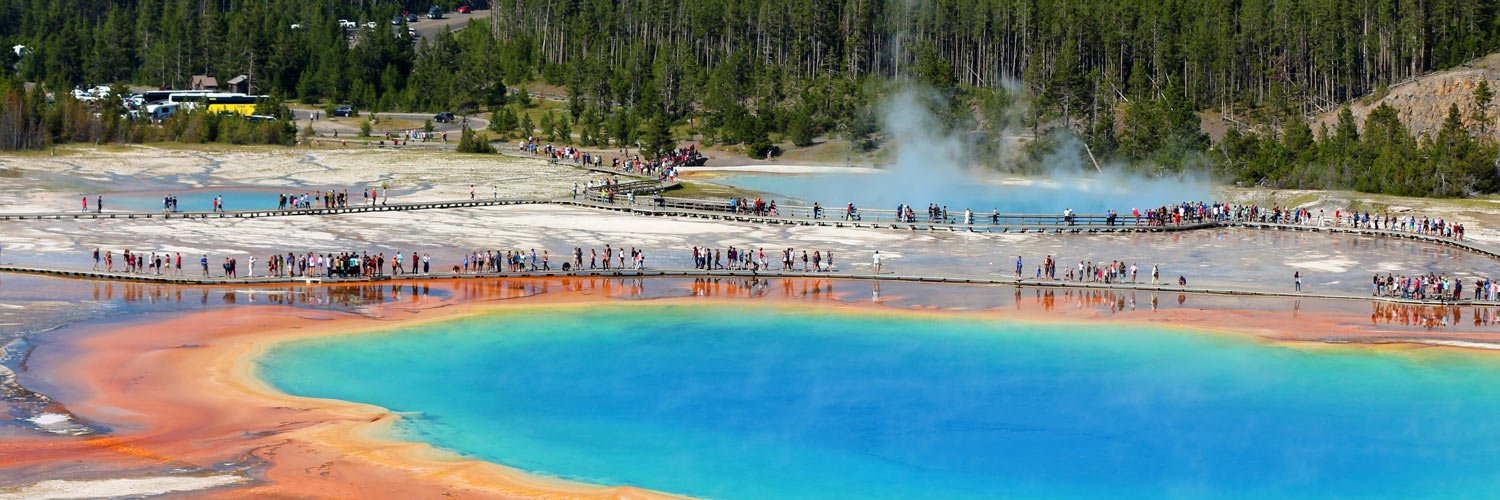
(931, 165)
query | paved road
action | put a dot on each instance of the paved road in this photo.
(427, 28)
(347, 127)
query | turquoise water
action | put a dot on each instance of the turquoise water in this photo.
(749, 402)
(191, 200)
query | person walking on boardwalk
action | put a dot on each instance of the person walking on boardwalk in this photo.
(250, 269)
(96, 253)
(85, 204)
(204, 261)
(471, 191)
(877, 261)
(1018, 267)
(1297, 278)
(99, 204)
(1155, 274)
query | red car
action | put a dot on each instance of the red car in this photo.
(464, 9)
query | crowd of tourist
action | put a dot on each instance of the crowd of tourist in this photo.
(343, 264)
(1425, 287)
(163, 264)
(331, 199)
(1430, 286)
(1197, 212)
(742, 259)
(662, 168)
(757, 206)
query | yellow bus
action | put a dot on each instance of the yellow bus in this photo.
(220, 103)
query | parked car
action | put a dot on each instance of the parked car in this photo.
(347, 24)
(464, 9)
(370, 25)
(435, 12)
(162, 112)
(411, 18)
(396, 21)
(344, 111)
(444, 117)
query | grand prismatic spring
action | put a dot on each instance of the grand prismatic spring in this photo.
(1215, 350)
(736, 401)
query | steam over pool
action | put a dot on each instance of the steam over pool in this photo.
(934, 166)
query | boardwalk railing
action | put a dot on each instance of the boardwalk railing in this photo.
(870, 215)
(700, 273)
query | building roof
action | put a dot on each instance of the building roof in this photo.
(205, 80)
(238, 79)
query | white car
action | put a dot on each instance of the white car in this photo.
(370, 25)
(347, 24)
(296, 26)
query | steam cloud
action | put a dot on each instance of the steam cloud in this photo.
(932, 166)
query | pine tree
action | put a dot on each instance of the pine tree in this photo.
(656, 140)
(526, 126)
(800, 127)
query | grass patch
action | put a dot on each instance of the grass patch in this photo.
(388, 124)
(702, 190)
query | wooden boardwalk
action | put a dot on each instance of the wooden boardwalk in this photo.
(699, 273)
(250, 214)
(1011, 223)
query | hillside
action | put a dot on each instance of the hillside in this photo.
(1423, 103)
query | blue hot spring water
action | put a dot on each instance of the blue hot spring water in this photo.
(1044, 196)
(756, 402)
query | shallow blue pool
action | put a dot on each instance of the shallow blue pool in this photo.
(193, 200)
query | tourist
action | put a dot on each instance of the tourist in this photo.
(877, 261)
(1297, 278)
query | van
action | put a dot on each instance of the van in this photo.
(435, 12)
